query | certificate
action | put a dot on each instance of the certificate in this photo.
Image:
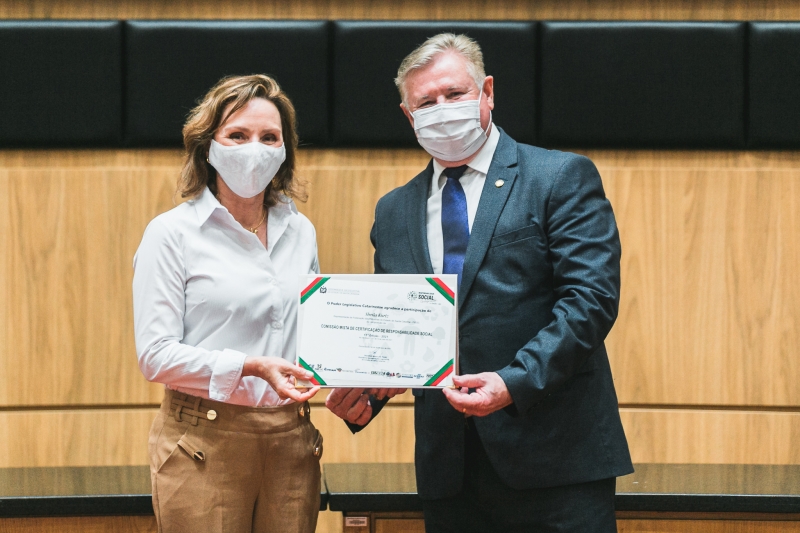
(380, 330)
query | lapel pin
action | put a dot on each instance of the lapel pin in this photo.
(499, 183)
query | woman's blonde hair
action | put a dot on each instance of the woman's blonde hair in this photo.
(205, 119)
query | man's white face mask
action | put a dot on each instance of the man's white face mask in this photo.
(450, 132)
(246, 168)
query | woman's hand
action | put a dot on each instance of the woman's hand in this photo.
(281, 375)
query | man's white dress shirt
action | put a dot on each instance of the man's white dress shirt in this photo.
(472, 181)
(207, 294)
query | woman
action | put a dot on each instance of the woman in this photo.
(215, 300)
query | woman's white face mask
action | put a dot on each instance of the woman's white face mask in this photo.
(246, 168)
(450, 132)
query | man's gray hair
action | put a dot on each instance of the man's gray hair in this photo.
(444, 42)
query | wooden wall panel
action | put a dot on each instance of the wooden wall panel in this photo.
(399, 525)
(329, 522)
(97, 437)
(6, 312)
(711, 281)
(70, 236)
(116, 437)
(69, 336)
(711, 267)
(408, 9)
(343, 190)
(706, 526)
(82, 524)
(712, 436)
(106, 437)
(387, 439)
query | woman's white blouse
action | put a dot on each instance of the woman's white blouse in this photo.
(207, 294)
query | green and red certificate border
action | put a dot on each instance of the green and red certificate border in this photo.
(440, 286)
(306, 293)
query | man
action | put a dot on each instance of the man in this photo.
(532, 439)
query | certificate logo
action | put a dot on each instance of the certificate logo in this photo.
(323, 290)
(420, 296)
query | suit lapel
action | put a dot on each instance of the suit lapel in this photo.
(416, 221)
(493, 199)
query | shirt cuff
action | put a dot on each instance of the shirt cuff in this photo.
(523, 398)
(226, 375)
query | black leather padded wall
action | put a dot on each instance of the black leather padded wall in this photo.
(643, 84)
(173, 64)
(61, 83)
(568, 84)
(774, 72)
(366, 58)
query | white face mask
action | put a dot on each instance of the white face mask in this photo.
(450, 132)
(246, 168)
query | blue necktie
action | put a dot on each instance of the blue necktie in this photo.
(455, 224)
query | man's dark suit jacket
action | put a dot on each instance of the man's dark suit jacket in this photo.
(539, 293)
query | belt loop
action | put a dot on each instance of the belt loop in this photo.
(178, 410)
(196, 410)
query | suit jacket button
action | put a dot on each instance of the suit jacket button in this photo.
(499, 183)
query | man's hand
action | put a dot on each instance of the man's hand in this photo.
(490, 395)
(380, 394)
(353, 404)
